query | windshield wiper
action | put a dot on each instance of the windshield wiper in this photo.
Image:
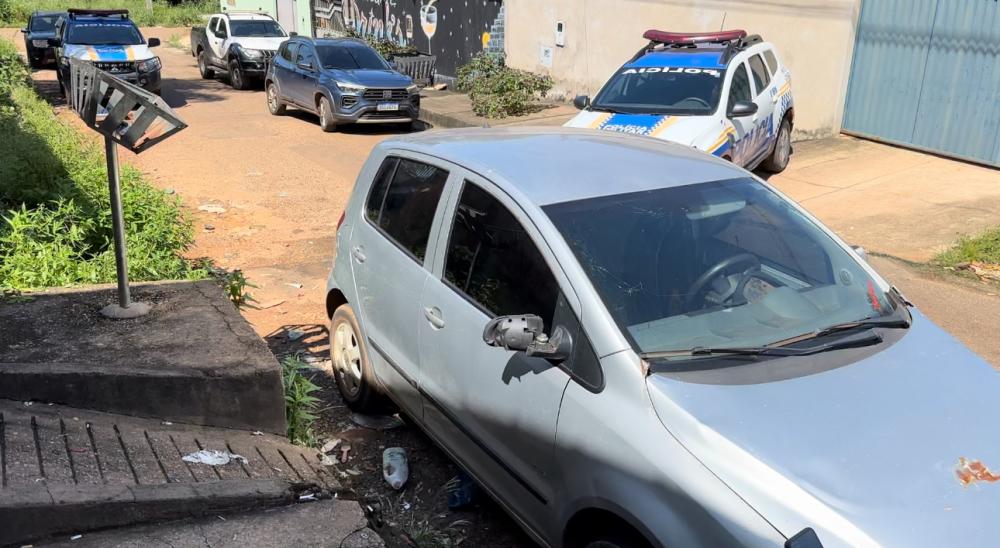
(867, 338)
(868, 323)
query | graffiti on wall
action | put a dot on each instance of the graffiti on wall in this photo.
(453, 30)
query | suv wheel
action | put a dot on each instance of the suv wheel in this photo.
(778, 160)
(237, 77)
(206, 72)
(274, 104)
(349, 357)
(326, 120)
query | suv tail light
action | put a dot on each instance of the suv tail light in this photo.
(340, 221)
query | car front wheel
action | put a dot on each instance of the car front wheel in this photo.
(327, 122)
(274, 104)
(349, 358)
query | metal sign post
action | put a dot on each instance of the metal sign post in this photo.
(126, 115)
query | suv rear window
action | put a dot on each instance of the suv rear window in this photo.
(402, 202)
(760, 76)
(772, 61)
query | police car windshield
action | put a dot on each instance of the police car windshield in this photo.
(256, 29)
(662, 90)
(104, 34)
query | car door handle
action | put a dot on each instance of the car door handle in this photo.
(358, 253)
(433, 315)
(774, 99)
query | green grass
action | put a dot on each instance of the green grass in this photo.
(984, 248)
(55, 217)
(14, 13)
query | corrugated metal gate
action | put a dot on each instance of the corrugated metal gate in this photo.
(926, 74)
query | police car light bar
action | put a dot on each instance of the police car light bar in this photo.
(75, 12)
(663, 37)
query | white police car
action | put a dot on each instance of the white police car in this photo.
(725, 93)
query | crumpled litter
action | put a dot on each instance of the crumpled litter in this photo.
(212, 457)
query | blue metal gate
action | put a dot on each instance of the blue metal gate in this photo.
(926, 74)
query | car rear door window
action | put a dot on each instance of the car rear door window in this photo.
(288, 51)
(493, 261)
(739, 90)
(760, 76)
(402, 202)
(772, 61)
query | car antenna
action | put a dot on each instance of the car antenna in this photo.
(723, 25)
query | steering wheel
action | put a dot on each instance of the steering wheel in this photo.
(702, 102)
(699, 285)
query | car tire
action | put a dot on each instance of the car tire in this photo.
(326, 120)
(274, 104)
(616, 540)
(35, 63)
(778, 160)
(351, 367)
(206, 72)
(237, 77)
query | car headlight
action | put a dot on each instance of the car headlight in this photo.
(252, 54)
(149, 65)
(40, 43)
(412, 88)
(350, 88)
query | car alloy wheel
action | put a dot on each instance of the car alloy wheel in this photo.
(347, 357)
(784, 147)
(274, 104)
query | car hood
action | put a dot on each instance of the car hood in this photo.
(259, 42)
(41, 34)
(884, 449)
(372, 78)
(678, 129)
(139, 52)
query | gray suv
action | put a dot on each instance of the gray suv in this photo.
(341, 80)
(630, 343)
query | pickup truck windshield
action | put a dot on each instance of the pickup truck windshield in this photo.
(720, 264)
(43, 23)
(104, 34)
(350, 58)
(662, 90)
(256, 29)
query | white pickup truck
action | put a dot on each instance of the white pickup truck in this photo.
(240, 44)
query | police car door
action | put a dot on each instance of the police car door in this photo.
(764, 128)
(740, 90)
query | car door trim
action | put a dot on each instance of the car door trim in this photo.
(461, 427)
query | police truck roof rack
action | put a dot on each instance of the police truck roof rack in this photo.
(734, 41)
(75, 12)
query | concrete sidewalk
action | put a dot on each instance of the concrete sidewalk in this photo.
(449, 109)
(891, 200)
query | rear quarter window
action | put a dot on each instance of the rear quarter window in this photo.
(772, 61)
(402, 201)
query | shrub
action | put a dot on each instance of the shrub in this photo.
(498, 91)
(16, 12)
(55, 216)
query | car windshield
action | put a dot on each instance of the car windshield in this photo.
(350, 58)
(256, 29)
(43, 23)
(718, 264)
(662, 90)
(104, 34)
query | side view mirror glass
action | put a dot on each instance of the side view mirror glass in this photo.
(153, 42)
(740, 109)
(862, 252)
(305, 65)
(525, 333)
(581, 102)
(24, 30)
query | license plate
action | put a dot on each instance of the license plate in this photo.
(382, 107)
(40, 43)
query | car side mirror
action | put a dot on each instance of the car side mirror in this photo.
(24, 30)
(525, 333)
(305, 65)
(581, 102)
(153, 42)
(740, 109)
(54, 42)
(862, 252)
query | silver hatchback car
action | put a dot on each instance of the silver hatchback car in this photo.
(630, 343)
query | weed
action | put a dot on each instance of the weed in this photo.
(425, 534)
(235, 284)
(16, 12)
(984, 248)
(175, 41)
(498, 91)
(300, 405)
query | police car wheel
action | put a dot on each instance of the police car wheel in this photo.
(778, 160)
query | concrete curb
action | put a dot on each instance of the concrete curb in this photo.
(32, 513)
(442, 120)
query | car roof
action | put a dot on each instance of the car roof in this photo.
(554, 165)
(248, 16)
(336, 41)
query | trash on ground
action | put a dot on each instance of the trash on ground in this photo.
(327, 460)
(167, 423)
(28, 403)
(376, 422)
(212, 208)
(271, 304)
(462, 491)
(354, 471)
(307, 497)
(395, 469)
(295, 334)
(439, 86)
(329, 446)
(295, 285)
(212, 457)
(256, 433)
(76, 537)
(985, 271)
(209, 227)
(344, 450)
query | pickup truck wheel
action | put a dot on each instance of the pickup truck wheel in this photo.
(326, 120)
(237, 77)
(349, 358)
(274, 104)
(206, 72)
